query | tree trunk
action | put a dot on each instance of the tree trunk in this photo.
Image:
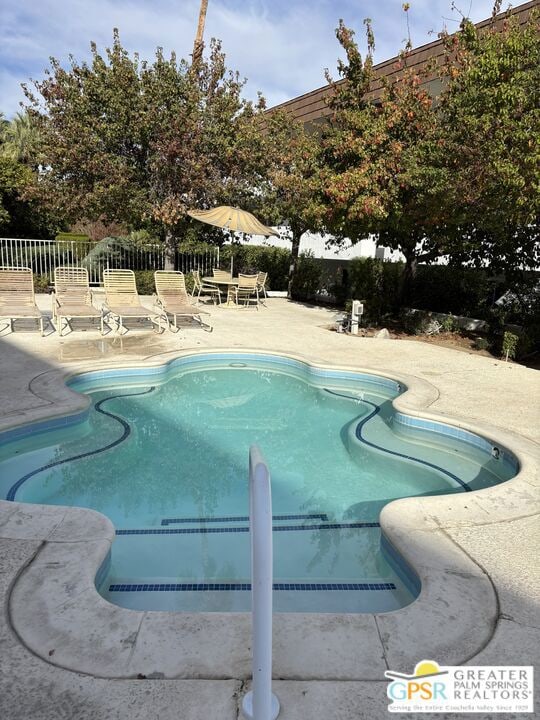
(407, 279)
(170, 252)
(295, 251)
(198, 45)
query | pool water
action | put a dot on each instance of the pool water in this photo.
(165, 456)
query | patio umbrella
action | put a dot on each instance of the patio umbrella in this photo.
(234, 219)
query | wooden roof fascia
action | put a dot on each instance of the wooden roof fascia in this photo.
(312, 104)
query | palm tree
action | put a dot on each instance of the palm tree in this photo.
(20, 137)
(198, 45)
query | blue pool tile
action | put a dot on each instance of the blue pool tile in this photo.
(217, 530)
(232, 587)
(241, 518)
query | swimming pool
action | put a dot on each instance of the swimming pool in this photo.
(163, 453)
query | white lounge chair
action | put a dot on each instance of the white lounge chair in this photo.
(17, 298)
(122, 299)
(72, 297)
(172, 298)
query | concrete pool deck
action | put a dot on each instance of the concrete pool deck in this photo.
(477, 554)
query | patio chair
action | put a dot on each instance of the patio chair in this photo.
(261, 284)
(72, 297)
(246, 291)
(17, 299)
(122, 299)
(202, 287)
(172, 298)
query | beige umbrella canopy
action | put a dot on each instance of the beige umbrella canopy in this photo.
(234, 219)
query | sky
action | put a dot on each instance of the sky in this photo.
(282, 47)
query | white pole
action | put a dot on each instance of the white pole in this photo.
(261, 703)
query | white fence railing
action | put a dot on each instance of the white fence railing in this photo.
(42, 256)
(260, 703)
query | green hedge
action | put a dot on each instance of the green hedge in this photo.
(376, 283)
(76, 237)
(308, 278)
(144, 280)
(259, 258)
(455, 290)
(42, 284)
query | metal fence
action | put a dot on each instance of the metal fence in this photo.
(42, 256)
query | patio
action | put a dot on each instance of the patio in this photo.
(494, 530)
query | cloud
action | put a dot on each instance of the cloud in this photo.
(281, 47)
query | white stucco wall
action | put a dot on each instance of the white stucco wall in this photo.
(318, 245)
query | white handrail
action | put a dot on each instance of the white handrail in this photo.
(261, 703)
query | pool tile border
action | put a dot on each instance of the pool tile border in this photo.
(245, 529)
(233, 587)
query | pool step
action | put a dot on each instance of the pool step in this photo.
(203, 530)
(322, 552)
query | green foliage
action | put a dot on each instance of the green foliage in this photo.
(415, 323)
(307, 278)
(448, 324)
(42, 283)
(509, 344)
(18, 216)
(456, 175)
(20, 139)
(519, 307)
(141, 238)
(75, 237)
(140, 143)
(144, 279)
(482, 343)
(188, 279)
(455, 290)
(489, 141)
(291, 195)
(376, 283)
(250, 259)
(373, 154)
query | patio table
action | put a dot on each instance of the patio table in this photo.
(228, 283)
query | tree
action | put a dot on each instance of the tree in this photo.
(291, 195)
(377, 180)
(489, 127)
(455, 175)
(138, 143)
(18, 216)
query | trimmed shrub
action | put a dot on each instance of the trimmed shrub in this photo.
(250, 259)
(448, 325)
(145, 282)
(454, 290)
(307, 278)
(415, 323)
(42, 284)
(76, 237)
(376, 283)
(482, 343)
